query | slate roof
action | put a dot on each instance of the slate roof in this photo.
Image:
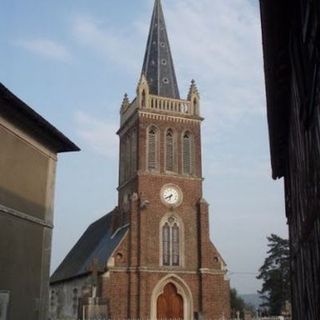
(24, 117)
(97, 243)
(158, 65)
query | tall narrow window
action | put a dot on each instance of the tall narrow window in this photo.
(127, 158)
(143, 99)
(175, 245)
(133, 152)
(187, 153)
(166, 244)
(122, 161)
(152, 148)
(171, 242)
(169, 151)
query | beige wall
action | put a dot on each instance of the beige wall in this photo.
(27, 177)
(24, 174)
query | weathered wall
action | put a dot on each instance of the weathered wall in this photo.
(64, 298)
(27, 172)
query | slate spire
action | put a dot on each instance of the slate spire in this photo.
(158, 64)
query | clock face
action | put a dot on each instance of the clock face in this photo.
(171, 195)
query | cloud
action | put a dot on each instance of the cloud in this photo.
(218, 42)
(116, 45)
(98, 134)
(46, 48)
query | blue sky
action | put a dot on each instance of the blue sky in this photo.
(72, 61)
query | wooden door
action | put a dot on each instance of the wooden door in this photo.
(170, 304)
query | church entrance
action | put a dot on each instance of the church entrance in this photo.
(170, 304)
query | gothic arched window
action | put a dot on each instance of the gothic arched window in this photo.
(166, 244)
(122, 161)
(133, 152)
(170, 154)
(171, 242)
(152, 151)
(127, 168)
(187, 146)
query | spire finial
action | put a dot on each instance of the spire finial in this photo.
(125, 103)
(193, 91)
(158, 65)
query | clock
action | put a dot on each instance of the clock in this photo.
(171, 195)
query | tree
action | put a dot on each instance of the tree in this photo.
(275, 274)
(238, 304)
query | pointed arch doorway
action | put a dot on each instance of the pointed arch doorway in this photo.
(170, 304)
(171, 299)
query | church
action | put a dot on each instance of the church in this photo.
(151, 257)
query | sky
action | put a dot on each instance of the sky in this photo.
(72, 61)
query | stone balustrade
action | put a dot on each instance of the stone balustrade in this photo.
(161, 104)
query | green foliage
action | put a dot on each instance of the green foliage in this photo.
(238, 304)
(275, 274)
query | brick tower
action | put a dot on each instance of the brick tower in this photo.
(167, 264)
(151, 257)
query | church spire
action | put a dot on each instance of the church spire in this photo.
(158, 64)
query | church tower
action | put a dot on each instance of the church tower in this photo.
(151, 257)
(173, 269)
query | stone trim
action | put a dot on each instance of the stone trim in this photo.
(164, 117)
(175, 270)
(25, 217)
(174, 175)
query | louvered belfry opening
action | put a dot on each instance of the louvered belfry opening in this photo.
(152, 148)
(187, 153)
(170, 150)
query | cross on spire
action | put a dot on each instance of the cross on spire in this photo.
(158, 65)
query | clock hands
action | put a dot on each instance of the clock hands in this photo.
(169, 197)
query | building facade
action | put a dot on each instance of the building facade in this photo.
(152, 257)
(291, 53)
(28, 154)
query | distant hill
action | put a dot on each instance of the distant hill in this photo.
(253, 299)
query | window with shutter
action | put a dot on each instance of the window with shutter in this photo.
(169, 151)
(127, 158)
(187, 153)
(133, 153)
(122, 161)
(152, 148)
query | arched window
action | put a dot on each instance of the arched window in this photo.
(170, 155)
(175, 245)
(171, 232)
(127, 158)
(166, 244)
(152, 148)
(133, 152)
(187, 146)
(122, 161)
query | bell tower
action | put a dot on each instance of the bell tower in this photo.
(169, 252)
